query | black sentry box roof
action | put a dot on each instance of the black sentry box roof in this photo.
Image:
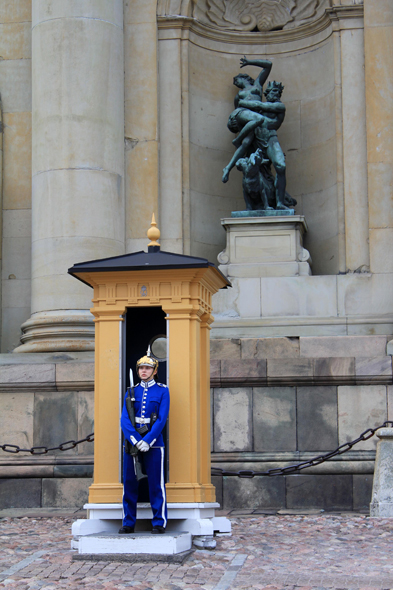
(154, 259)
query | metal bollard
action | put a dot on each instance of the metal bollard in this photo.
(381, 505)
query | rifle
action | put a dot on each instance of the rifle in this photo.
(129, 448)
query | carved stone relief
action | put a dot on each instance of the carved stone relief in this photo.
(175, 7)
(260, 15)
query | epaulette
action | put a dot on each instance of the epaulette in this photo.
(161, 384)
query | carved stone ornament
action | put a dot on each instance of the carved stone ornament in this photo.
(175, 8)
(261, 15)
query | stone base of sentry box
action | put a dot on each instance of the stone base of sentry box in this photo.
(140, 543)
(197, 518)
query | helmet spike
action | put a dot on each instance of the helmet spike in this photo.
(147, 360)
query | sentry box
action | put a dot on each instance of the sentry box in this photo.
(165, 300)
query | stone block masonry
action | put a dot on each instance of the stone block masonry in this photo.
(46, 399)
(275, 402)
(280, 401)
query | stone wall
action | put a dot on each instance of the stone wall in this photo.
(159, 134)
(279, 401)
(45, 401)
(175, 144)
(275, 402)
(331, 492)
(309, 306)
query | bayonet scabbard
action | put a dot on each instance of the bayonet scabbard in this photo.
(129, 448)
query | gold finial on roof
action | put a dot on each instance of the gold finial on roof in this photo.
(153, 233)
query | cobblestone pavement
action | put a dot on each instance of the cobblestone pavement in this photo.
(272, 552)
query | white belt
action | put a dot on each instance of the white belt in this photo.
(142, 420)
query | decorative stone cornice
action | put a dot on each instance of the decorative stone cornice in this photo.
(350, 11)
(340, 15)
(175, 7)
(260, 15)
(241, 37)
(186, 25)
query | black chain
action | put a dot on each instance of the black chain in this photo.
(71, 444)
(304, 464)
(65, 446)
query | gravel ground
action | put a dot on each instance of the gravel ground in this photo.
(274, 552)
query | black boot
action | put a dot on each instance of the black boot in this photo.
(126, 530)
(158, 530)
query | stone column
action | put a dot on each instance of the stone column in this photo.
(77, 164)
(354, 144)
(382, 496)
(141, 119)
(174, 17)
(171, 140)
(378, 45)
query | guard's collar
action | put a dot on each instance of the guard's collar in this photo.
(148, 384)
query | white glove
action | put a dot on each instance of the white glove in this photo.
(142, 446)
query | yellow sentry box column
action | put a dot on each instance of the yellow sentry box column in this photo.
(183, 286)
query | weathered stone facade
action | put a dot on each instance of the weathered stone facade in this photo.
(280, 401)
(112, 110)
(42, 400)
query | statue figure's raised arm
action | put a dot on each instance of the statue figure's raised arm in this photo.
(265, 64)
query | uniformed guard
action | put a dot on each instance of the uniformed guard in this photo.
(143, 419)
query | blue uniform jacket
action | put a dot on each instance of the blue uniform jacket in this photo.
(149, 397)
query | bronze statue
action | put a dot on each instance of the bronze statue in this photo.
(250, 90)
(254, 185)
(256, 123)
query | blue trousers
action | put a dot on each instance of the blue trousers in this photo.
(153, 461)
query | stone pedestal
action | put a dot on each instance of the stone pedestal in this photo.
(265, 247)
(382, 497)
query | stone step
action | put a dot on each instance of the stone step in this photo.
(169, 543)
